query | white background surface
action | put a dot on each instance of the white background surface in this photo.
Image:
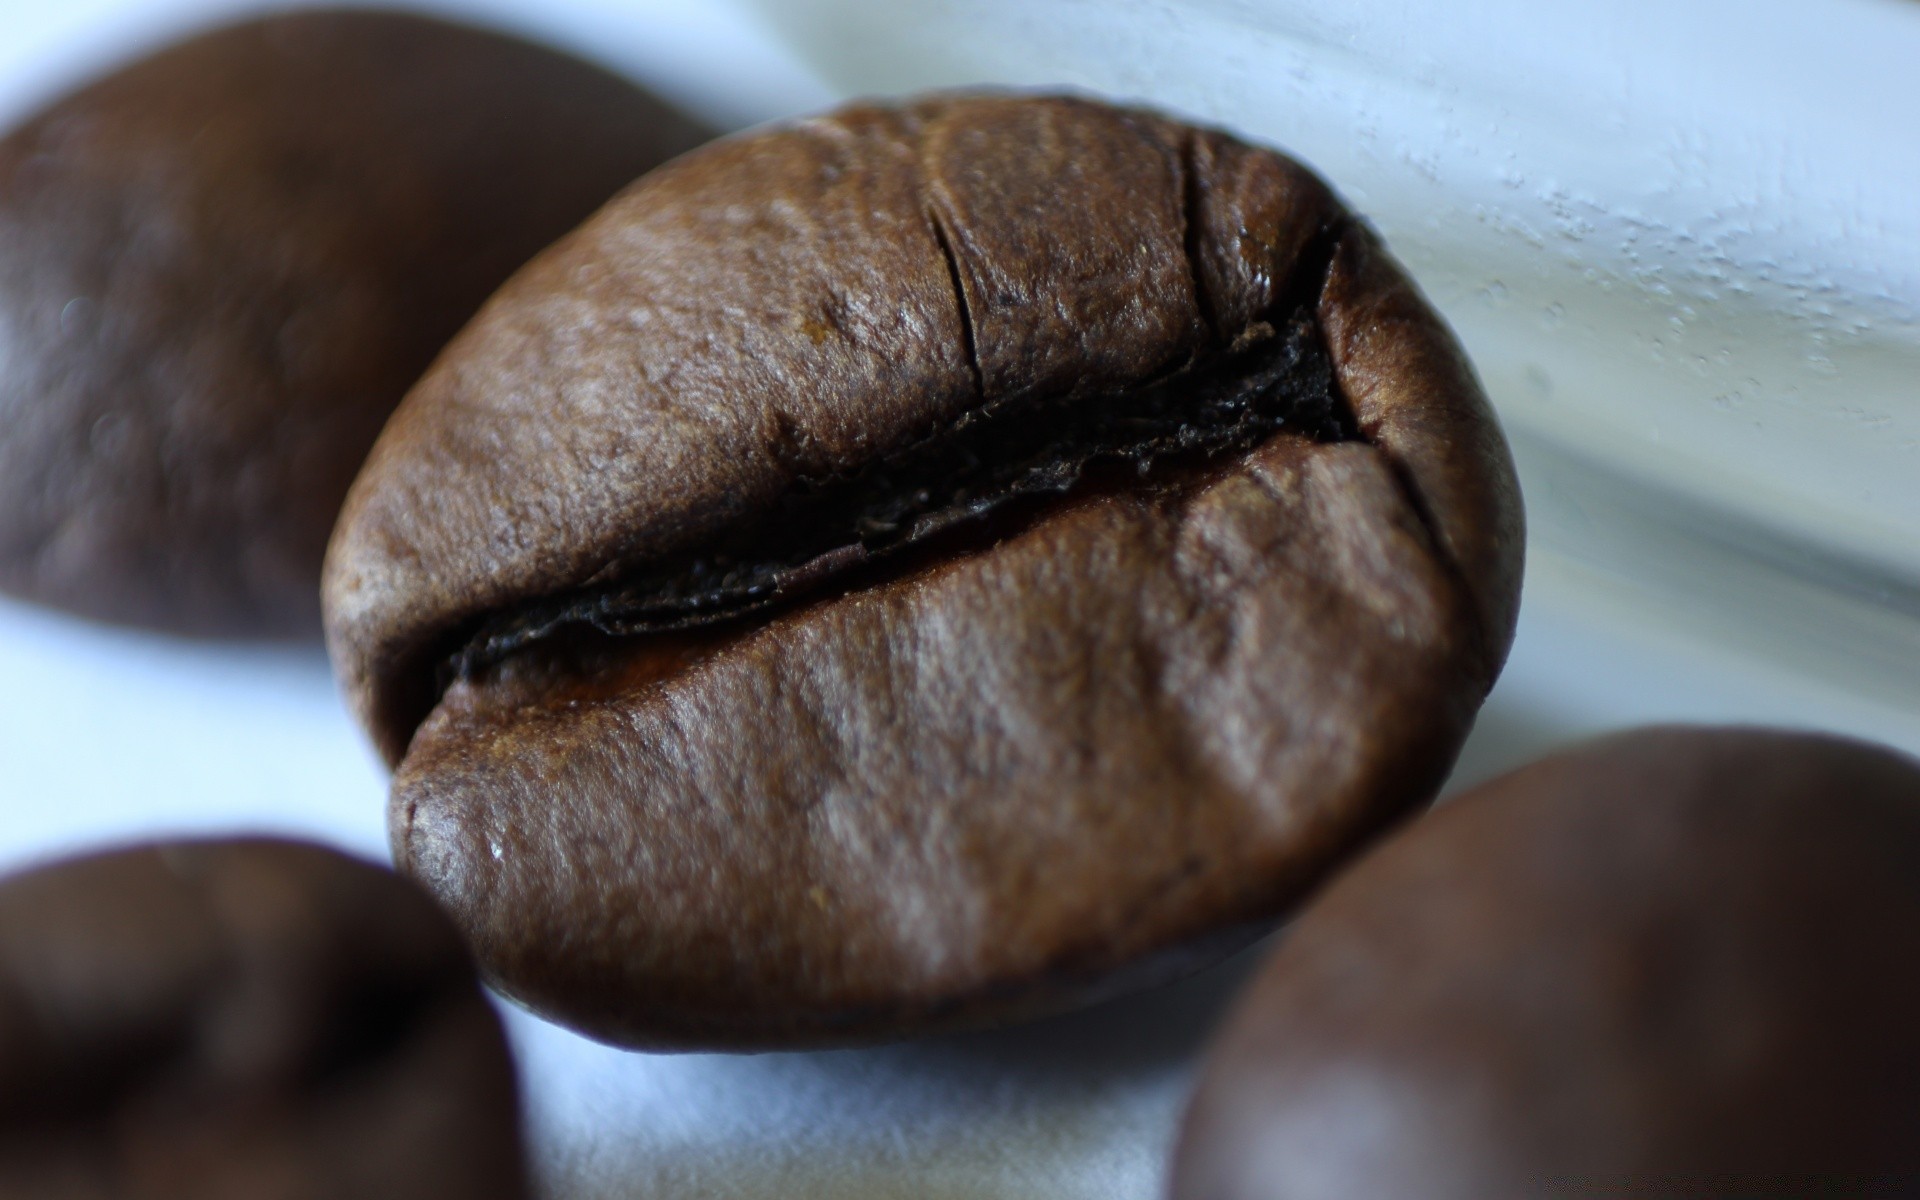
(1679, 235)
(1654, 591)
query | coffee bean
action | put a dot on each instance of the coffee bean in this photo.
(920, 567)
(222, 266)
(1672, 962)
(254, 1019)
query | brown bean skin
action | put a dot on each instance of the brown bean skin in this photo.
(1673, 961)
(223, 265)
(257, 1019)
(943, 768)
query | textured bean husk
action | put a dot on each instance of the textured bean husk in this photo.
(252, 1019)
(1078, 744)
(1673, 961)
(223, 265)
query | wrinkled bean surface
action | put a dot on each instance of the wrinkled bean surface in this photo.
(917, 567)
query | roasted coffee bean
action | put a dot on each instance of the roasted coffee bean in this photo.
(221, 268)
(248, 1019)
(1672, 962)
(919, 567)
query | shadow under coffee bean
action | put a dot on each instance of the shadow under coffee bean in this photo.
(917, 568)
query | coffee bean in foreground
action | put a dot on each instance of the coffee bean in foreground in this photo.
(255, 1019)
(1672, 962)
(920, 567)
(223, 265)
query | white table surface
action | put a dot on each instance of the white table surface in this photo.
(109, 735)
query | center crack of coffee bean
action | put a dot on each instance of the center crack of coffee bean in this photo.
(987, 463)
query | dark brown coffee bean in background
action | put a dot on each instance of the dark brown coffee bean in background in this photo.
(249, 1019)
(222, 266)
(1672, 962)
(919, 567)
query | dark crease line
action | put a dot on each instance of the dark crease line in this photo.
(406, 836)
(605, 608)
(1313, 270)
(1442, 556)
(1247, 395)
(1190, 234)
(1305, 291)
(1319, 256)
(945, 240)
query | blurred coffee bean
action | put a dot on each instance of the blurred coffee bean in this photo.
(250, 1019)
(223, 265)
(1671, 962)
